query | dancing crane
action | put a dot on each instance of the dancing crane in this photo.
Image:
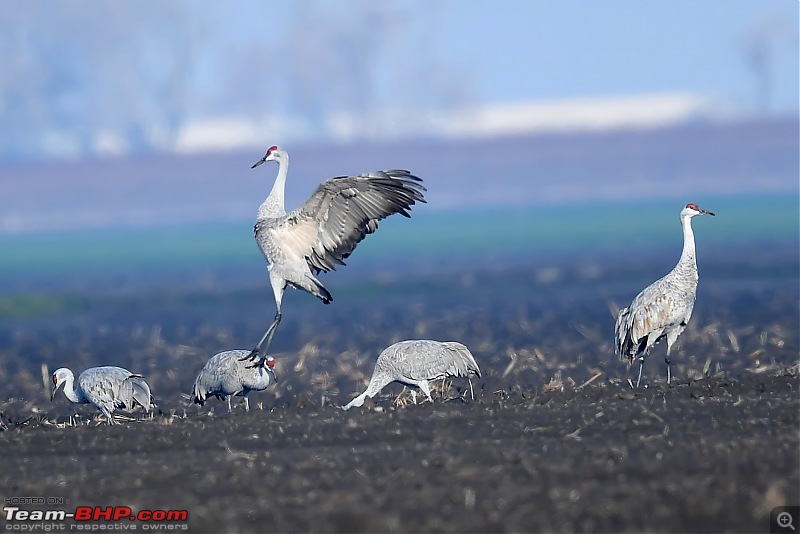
(664, 307)
(415, 363)
(226, 375)
(323, 231)
(107, 388)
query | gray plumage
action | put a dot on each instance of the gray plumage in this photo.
(324, 231)
(108, 388)
(662, 309)
(226, 375)
(415, 363)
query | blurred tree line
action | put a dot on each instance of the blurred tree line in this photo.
(87, 76)
(79, 74)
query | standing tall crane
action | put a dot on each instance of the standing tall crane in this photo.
(664, 307)
(325, 229)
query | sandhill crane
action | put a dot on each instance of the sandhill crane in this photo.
(107, 387)
(226, 375)
(415, 363)
(325, 230)
(664, 307)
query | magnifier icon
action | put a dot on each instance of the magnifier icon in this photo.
(785, 520)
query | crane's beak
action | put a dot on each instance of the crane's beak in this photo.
(55, 390)
(705, 212)
(259, 162)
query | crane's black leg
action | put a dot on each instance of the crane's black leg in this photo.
(669, 371)
(268, 338)
(641, 364)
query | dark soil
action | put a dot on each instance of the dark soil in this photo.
(709, 455)
(539, 449)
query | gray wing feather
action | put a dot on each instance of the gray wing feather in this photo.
(659, 307)
(426, 360)
(110, 387)
(343, 210)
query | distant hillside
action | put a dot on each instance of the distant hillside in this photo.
(689, 161)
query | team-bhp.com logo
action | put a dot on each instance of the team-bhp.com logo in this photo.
(96, 517)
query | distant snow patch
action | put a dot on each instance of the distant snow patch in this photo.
(582, 114)
(569, 115)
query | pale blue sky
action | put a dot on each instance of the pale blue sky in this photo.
(517, 50)
(90, 76)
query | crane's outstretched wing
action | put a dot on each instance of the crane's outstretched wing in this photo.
(342, 211)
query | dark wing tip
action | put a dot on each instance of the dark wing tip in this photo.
(404, 173)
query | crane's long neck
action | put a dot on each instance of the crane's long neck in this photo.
(688, 262)
(274, 205)
(377, 383)
(73, 394)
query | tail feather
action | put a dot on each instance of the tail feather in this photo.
(320, 292)
(198, 396)
(622, 335)
(313, 286)
(141, 392)
(326, 297)
(463, 359)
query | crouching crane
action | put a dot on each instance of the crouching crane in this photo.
(108, 388)
(323, 231)
(226, 375)
(417, 362)
(662, 309)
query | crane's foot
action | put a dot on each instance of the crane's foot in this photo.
(669, 370)
(257, 363)
(260, 362)
(251, 356)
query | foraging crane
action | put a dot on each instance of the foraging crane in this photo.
(664, 307)
(415, 363)
(226, 375)
(107, 387)
(323, 231)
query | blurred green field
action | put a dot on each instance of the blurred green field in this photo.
(463, 235)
